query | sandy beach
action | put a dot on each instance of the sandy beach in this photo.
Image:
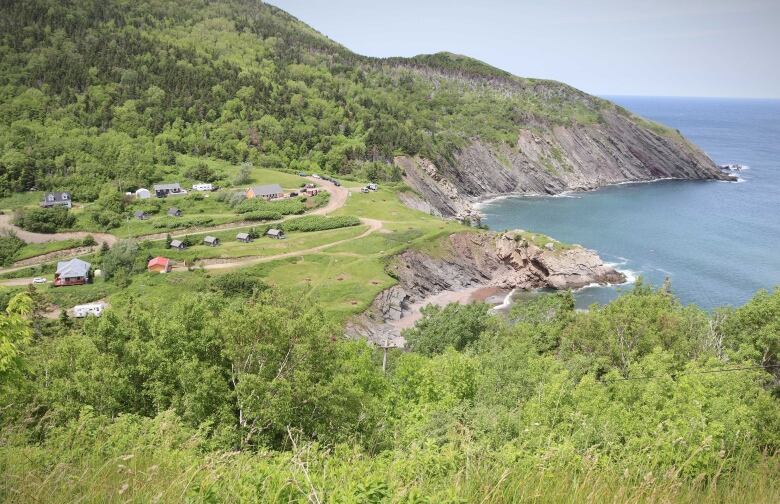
(491, 295)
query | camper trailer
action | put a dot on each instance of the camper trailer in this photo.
(85, 310)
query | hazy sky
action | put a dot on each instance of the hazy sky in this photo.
(651, 47)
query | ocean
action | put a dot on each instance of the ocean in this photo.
(718, 242)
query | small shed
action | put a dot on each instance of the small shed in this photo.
(211, 241)
(244, 237)
(140, 215)
(178, 244)
(143, 193)
(159, 264)
(372, 186)
(276, 233)
(174, 212)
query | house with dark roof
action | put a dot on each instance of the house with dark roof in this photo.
(55, 199)
(178, 244)
(174, 212)
(73, 272)
(269, 192)
(163, 190)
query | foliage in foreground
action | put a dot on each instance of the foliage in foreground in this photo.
(259, 397)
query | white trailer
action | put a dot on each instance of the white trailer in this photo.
(96, 309)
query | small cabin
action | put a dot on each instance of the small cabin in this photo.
(268, 192)
(178, 244)
(55, 199)
(372, 187)
(159, 264)
(244, 237)
(211, 241)
(276, 233)
(140, 215)
(174, 212)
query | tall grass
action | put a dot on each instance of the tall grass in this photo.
(162, 464)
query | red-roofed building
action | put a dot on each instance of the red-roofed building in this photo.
(160, 265)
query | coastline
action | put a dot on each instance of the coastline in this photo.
(479, 202)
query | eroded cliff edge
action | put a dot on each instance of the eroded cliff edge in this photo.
(510, 260)
(550, 159)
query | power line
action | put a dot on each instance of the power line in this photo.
(684, 373)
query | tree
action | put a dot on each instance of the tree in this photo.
(244, 174)
(121, 257)
(455, 326)
(15, 335)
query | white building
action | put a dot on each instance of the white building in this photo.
(143, 193)
(84, 310)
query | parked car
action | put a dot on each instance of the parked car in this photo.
(314, 175)
(336, 183)
(301, 174)
(39, 280)
(293, 194)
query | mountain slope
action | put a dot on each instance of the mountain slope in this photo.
(111, 92)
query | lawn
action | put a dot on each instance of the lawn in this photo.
(227, 172)
(36, 249)
(19, 200)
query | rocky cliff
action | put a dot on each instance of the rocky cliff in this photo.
(550, 159)
(509, 260)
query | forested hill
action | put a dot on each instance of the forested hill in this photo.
(97, 91)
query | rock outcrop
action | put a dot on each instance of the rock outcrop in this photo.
(551, 159)
(509, 260)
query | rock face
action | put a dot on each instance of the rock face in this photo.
(551, 159)
(508, 260)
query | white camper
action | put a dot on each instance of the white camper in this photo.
(84, 310)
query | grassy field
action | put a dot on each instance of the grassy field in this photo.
(260, 247)
(36, 249)
(227, 173)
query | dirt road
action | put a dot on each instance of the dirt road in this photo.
(30, 237)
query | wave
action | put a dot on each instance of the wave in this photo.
(507, 302)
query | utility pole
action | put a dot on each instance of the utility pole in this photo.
(384, 348)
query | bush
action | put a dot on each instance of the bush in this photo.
(201, 172)
(262, 215)
(88, 241)
(10, 244)
(319, 223)
(237, 283)
(44, 220)
(284, 207)
(183, 223)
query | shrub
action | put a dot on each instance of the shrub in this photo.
(262, 215)
(44, 220)
(201, 172)
(88, 241)
(319, 223)
(10, 244)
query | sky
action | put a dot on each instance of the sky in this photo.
(707, 48)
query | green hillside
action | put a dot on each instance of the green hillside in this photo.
(94, 92)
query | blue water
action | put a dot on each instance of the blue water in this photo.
(719, 242)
